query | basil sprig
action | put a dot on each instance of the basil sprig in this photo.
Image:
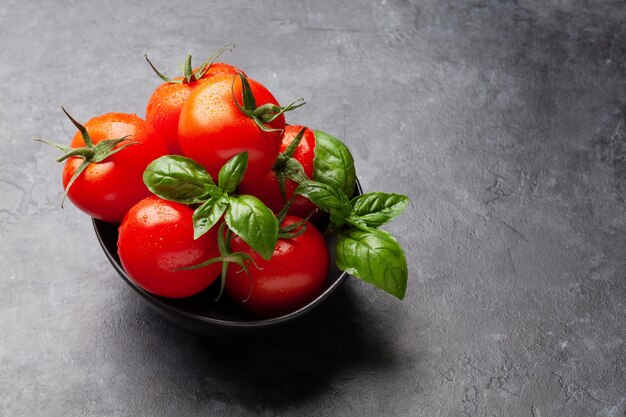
(183, 180)
(363, 250)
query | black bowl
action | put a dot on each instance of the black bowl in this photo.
(202, 313)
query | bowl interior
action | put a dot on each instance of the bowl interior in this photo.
(202, 312)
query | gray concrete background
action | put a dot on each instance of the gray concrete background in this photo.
(504, 121)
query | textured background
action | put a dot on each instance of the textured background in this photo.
(505, 122)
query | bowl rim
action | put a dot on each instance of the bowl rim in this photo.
(166, 309)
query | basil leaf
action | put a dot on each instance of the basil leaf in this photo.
(177, 178)
(208, 214)
(232, 172)
(332, 200)
(375, 257)
(333, 163)
(375, 209)
(213, 190)
(252, 221)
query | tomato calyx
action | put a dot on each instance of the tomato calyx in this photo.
(189, 75)
(287, 167)
(294, 229)
(264, 114)
(90, 153)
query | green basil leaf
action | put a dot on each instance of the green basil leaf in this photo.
(208, 214)
(177, 178)
(252, 221)
(375, 209)
(232, 172)
(213, 190)
(375, 257)
(333, 163)
(332, 200)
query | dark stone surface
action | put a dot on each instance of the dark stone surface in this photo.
(505, 121)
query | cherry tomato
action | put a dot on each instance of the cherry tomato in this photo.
(107, 190)
(266, 188)
(212, 128)
(166, 101)
(156, 239)
(294, 276)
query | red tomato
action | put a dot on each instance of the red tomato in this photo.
(108, 189)
(166, 101)
(212, 129)
(155, 239)
(294, 276)
(266, 187)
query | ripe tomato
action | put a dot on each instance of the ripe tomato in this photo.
(212, 129)
(108, 189)
(166, 101)
(266, 188)
(156, 239)
(294, 276)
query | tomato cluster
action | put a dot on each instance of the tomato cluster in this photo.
(214, 183)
